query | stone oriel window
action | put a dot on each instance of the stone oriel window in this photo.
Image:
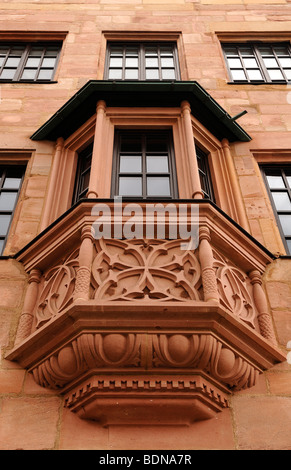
(258, 62)
(142, 61)
(144, 165)
(278, 182)
(11, 178)
(28, 62)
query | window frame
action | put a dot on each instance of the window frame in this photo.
(282, 168)
(257, 56)
(80, 193)
(25, 55)
(3, 171)
(172, 173)
(204, 174)
(141, 45)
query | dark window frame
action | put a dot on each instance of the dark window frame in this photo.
(141, 60)
(172, 173)
(276, 169)
(3, 173)
(255, 46)
(27, 47)
(85, 155)
(204, 174)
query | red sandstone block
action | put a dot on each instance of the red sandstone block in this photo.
(280, 382)
(279, 295)
(262, 423)
(29, 423)
(11, 380)
(282, 320)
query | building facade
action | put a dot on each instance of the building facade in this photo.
(145, 225)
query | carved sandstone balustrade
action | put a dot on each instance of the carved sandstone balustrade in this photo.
(144, 321)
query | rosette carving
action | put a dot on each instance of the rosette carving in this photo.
(235, 289)
(89, 351)
(145, 270)
(56, 290)
(204, 352)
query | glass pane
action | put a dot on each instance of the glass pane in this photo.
(131, 74)
(12, 182)
(234, 63)
(285, 62)
(288, 244)
(1, 246)
(270, 62)
(131, 52)
(12, 62)
(285, 220)
(36, 52)
(288, 74)
(152, 62)
(130, 186)
(251, 63)
(167, 62)
(8, 74)
(130, 164)
(168, 74)
(4, 224)
(275, 74)
(131, 143)
(157, 164)
(152, 74)
(166, 51)
(28, 74)
(158, 186)
(116, 51)
(131, 62)
(47, 62)
(275, 181)
(32, 62)
(282, 201)
(45, 74)
(281, 50)
(246, 51)
(289, 180)
(255, 75)
(7, 201)
(52, 52)
(157, 143)
(2, 61)
(230, 51)
(151, 51)
(115, 74)
(238, 75)
(85, 181)
(18, 51)
(264, 50)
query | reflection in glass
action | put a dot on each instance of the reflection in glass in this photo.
(285, 220)
(130, 186)
(7, 201)
(4, 224)
(255, 75)
(282, 201)
(157, 164)
(238, 75)
(275, 181)
(130, 164)
(275, 74)
(158, 186)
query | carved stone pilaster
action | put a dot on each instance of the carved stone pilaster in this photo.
(82, 286)
(264, 318)
(208, 272)
(26, 319)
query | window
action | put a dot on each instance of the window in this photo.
(10, 183)
(83, 173)
(278, 181)
(204, 174)
(28, 62)
(142, 62)
(144, 165)
(258, 63)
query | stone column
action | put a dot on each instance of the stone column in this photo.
(241, 213)
(193, 165)
(264, 318)
(83, 278)
(96, 155)
(52, 184)
(26, 318)
(208, 271)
